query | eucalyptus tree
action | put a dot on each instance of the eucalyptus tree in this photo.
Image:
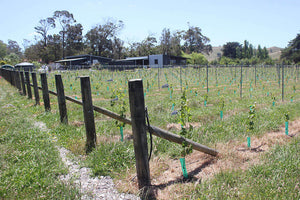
(165, 41)
(44, 26)
(100, 38)
(65, 19)
(195, 41)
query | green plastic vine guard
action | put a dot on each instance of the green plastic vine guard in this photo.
(107, 88)
(273, 103)
(287, 128)
(75, 97)
(183, 167)
(291, 100)
(221, 114)
(248, 142)
(173, 105)
(205, 103)
(121, 132)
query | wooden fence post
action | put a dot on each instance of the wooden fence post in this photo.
(88, 112)
(18, 81)
(23, 83)
(137, 110)
(35, 88)
(27, 81)
(61, 99)
(45, 92)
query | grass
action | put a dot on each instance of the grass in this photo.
(30, 164)
(276, 178)
(114, 158)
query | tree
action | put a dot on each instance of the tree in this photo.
(99, 38)
(64, 18)
(230, 49)
(195, 41)
(74, 43)
(176, 43)
(165, 42)
(117, 48)
(292, 51)
(195, 58)
(44, 27)
(13, 47)
(3, 50)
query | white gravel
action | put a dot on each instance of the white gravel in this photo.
(90, 187)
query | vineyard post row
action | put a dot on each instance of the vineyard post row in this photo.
(137, 108)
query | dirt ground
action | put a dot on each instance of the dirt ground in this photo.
(166, 173)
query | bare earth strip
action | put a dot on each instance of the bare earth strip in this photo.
(166, 174)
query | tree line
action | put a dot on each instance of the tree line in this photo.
(103, 40)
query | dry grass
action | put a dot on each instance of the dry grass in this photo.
(166, 174)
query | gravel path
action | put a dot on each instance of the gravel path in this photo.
(90, 187)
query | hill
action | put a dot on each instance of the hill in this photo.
(274, 53)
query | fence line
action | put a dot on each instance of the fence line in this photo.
(137, 108)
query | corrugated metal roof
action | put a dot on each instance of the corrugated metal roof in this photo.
(70, 60)
(138, 58)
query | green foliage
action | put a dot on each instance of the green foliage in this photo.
(111, 158)
(251, 117)
(29, 161)
(184, 117)
(276, 178)
(292, 51)
(118, 97)
(234, 53)
(195, 58)
(286, 117)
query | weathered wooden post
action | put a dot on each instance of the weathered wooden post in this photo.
(207, 79)
(241, 82)
(27, 81)
(255, 74)
(88, 112)
(45, 92)
(35, 88)
(282, 74)
(137, 110)
(23, 83)
(18, 81)
(61, 99)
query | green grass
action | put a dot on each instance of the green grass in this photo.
(276, 178)
(114, 158)
(29, 162)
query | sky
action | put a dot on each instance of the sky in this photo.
(265, 22)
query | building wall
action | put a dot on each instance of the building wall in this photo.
(156, 60)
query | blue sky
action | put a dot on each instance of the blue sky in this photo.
(265, 22)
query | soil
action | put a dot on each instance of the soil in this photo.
(166, 173)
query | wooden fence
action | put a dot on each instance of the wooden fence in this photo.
(137, 121)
